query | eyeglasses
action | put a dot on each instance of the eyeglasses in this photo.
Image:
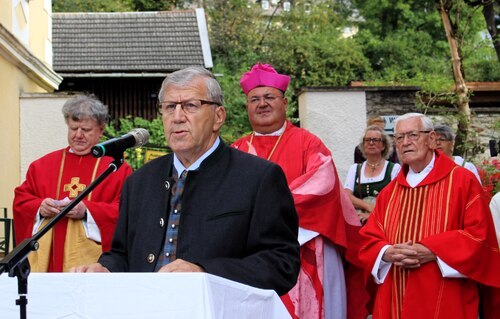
(372, 140)
(190, 106)
(268, 99)
(442, 139)
(412, 136)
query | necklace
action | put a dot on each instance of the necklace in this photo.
(373, 166)
(274, 147)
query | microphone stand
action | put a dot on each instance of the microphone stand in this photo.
(16, 262)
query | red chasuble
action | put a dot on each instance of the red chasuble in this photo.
(321, 206)
(447, 212)
(63, 174)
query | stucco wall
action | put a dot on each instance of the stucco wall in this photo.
(23, 68)
(9, 129)
(42, 127)
(12, 83)
(6, 13)
(41, 29)
(338, 117)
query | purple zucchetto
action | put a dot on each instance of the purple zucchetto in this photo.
(263, 75)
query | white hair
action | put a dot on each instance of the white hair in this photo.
(424, 120)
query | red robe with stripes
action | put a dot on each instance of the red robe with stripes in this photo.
(322, 207)
(447, 213)
(63, 174)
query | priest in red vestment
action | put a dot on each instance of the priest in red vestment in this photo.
(328, 223)
(57, 178)
(430, 240)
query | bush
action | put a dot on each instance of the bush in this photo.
(156, 145)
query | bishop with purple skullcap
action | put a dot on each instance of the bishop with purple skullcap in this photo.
(263, 75)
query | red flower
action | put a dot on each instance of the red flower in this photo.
(489, 172)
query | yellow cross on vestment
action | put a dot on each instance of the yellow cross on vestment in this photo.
(74, 187)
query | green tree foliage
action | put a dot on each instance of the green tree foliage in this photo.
(400, 42)
(92, 5)
(235, 29)
(135, 157)
(311, 48)
(491, 13)
(394, 33)
(155, 5)
(117, 5)
(405, 40)
(234, 103)
(307, 46)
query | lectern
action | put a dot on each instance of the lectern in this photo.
(139, 296)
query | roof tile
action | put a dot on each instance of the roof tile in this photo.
(126, 41)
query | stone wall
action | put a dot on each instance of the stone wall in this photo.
(338, 116)
(390, 102)
(482, 130)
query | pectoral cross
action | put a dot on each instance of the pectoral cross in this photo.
(74, 187)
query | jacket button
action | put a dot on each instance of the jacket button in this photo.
(162, 222)
(151, 258)
(167, 185)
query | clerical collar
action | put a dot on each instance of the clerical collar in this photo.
(72, 151)
(277, 133)
(413, 178)
(180, 168)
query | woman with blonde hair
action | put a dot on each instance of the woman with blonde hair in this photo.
(365, 180)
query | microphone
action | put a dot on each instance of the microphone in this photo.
(116, 146)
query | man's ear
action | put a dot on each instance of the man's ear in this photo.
(432, 140)
(220, 117)
(101, 131)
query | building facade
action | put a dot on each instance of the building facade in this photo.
(25, 67)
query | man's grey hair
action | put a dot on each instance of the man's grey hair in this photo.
(385, 140)
(424, 120)
(445, 131)
(185, 76)
(82, 107)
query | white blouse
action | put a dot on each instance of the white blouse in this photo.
(351, 175)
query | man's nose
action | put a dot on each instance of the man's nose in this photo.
(79, 133)
(178, 114)
(262, 101)
(406, 139)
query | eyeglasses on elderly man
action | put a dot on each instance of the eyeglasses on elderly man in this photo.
(412, 136)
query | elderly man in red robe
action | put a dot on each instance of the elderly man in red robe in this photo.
(327, 220)
(430, 240)
(58, 177)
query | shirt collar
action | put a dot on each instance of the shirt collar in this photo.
(180, 168)
(413, 178)
(277, 133)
